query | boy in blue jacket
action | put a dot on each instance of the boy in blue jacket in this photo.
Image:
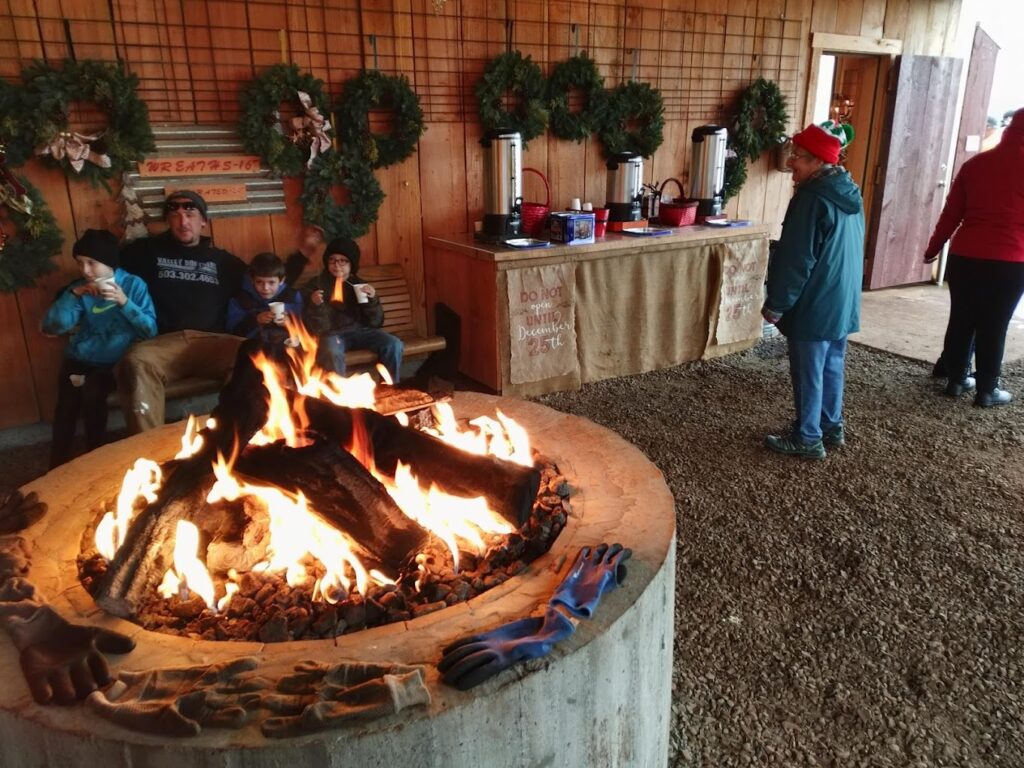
(106, 310)
(250, 313)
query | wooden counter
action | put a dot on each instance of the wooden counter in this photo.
(548, 319)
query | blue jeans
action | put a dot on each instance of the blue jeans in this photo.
(330, 355)
(817, 369)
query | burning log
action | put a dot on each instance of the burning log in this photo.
(140, 563)
(510, 489)
(344, 494)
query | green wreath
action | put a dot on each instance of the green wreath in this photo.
(260, 124)
(46, 99)
(371, 90)
(577, 72)
(28, 253)
(760, 123)
(626, 103)
(319, 207)
(513, 72)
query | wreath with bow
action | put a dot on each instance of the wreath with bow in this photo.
(44, 126)
(578, 72)
(626, 104)
(28, 251)
(286, 149)
(760, 124)
(520, 75)
(373, 90)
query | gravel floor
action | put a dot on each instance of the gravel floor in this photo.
(865, 610)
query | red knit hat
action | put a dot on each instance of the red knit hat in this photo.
(819, 142)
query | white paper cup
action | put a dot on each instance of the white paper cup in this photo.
(361, 297)
(277, 307)
(574, 204)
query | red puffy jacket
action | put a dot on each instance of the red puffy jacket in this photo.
(986, 202)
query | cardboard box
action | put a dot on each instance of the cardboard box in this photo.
(571, 227)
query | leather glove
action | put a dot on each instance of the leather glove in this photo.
(593, 573)
(472, 660)
(18, 598)
(18, 512)
(322, 696)
(180, 701)
(63, 662)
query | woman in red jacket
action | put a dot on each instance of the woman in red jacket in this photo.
(985, 209)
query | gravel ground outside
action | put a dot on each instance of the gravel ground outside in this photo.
(864, 610)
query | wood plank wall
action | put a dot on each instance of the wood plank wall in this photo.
(438, 190)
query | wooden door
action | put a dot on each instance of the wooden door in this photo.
(912, 168)
(980, 73)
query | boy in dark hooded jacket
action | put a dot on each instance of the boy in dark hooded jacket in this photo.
(346, 312)
(251, 311)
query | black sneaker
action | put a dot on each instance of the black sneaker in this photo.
(834, 437)
(791, 447)
(991, 399)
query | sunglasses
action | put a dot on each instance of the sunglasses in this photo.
(186, 206)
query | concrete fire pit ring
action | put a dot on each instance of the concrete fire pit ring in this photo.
(602, 697)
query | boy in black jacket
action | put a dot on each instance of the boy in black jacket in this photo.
(252, 312)
(346, 313)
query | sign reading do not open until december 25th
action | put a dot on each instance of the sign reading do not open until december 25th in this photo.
(542, 328)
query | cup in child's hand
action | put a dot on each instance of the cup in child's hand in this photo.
(361, 296)
(277, 307)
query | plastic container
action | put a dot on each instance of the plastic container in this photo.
(534, 216)
(600, 221)
(572, 227)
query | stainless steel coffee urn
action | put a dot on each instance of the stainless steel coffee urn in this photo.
(623, 194)
(707, 170)
(503, 185)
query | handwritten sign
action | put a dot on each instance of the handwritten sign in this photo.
(542, 326)
(204, 165)
(739, 308)
(215, 193)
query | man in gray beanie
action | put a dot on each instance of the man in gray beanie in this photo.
(190, 281)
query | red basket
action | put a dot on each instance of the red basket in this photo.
(535, 215)
(679, 212)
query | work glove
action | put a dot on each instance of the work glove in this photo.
(323, 696)
(180, 701)
(18, 512)
(63, 662)
(472, 660)
(592, 574)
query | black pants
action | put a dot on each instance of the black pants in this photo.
(983, 294)
(90, 399)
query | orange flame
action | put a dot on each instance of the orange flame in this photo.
(338, 294)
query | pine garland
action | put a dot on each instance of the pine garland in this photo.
(760, 124)
(46, 97)
(371, 90)
(578, 72)
(520, 75)
(352, 171)
(28, 252)
(627, 103)
(260, 124)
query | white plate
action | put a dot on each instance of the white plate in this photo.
(646, 231)
(527, 242)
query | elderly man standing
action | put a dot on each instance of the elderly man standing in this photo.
(814, 284)
(190, 282)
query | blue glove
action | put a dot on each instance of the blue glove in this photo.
(468, 662)
(594, 573)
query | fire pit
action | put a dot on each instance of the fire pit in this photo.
(600, 698)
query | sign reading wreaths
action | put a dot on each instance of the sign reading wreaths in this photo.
(541, 319)
(191, 165)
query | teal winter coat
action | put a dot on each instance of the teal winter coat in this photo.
(815, 274)
(103, 329)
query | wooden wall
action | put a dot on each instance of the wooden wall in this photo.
(192, 55)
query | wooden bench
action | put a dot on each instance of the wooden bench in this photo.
(393, 292)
